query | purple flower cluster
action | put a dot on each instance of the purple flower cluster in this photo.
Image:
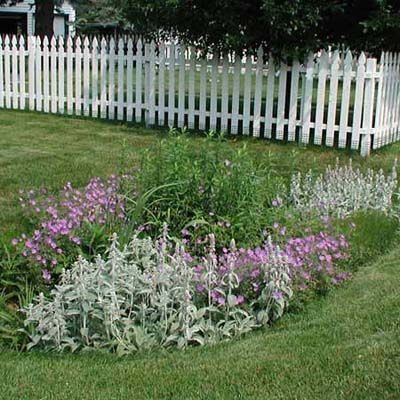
(61, 218)
(314, 257)
(310, 259)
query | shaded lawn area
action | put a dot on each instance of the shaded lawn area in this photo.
(345, 346)
(42, 150)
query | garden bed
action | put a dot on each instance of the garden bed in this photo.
(212, 238)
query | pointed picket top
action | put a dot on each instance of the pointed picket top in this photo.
(153, 46)
(335, 58)
(53, 42)
(112, 44)
(95, 43)
(45, 41)
(130, 46)
(362, 59)
(61, 42)
(1, 40)
(121, 45)
(139, 45)
(390, 58)
(7, 41)
(260, 53)
(21, 41)
(324, 59)
(387, 58)
(310, 65)
(348, 60)
(14, 41)
(86, 43)
(382, 59)
(69, 43)
(103, 43)
(78, 42)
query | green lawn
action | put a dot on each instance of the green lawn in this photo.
(344, 346)
(41, 150)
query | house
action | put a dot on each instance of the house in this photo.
(20, 19)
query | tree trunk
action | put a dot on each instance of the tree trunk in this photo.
(44, 18)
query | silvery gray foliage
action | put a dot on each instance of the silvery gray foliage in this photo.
(343, 190)
(144, 295)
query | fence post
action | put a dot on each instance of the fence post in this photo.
(368, 112)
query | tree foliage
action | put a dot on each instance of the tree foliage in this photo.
(285, 28)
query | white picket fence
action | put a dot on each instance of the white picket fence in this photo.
(331, 99)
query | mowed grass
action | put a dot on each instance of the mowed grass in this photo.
(344, 346)
(41, 150)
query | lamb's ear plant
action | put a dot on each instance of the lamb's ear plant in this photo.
(343, 190)
(146, 294)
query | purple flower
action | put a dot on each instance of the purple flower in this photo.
(277, 295)
(46, 275)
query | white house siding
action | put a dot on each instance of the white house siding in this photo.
(67, 17)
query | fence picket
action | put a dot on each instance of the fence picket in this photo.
(392, 97)
(280, 122)
(7, 71)
(22, 88)
(192, 96)
(53, 75)
(95, 78)
(152, 84)
(111, 80)
(78, 76)
(138, 88)
(247, 96)
(61, 77)
(258, 93)
(70, 90)
(236, 94)
(103, 79)
(224, 94)
(269, 104)
(120, 90)
(358, 103)
(214, 93)
(345, 104)
(368, 113)
(46, 76)
(86, 77)
(203, 94)
(1, 74)
(129, 81)
(181, 87)
(307, 103)
(379, 105)
(171, 86)
(294, 89)
(15, 91)
(397, 100)
(332, 102)
(319, 117)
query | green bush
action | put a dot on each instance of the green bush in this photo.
(203, 188)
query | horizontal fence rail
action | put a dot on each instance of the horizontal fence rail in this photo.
(331, 99)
